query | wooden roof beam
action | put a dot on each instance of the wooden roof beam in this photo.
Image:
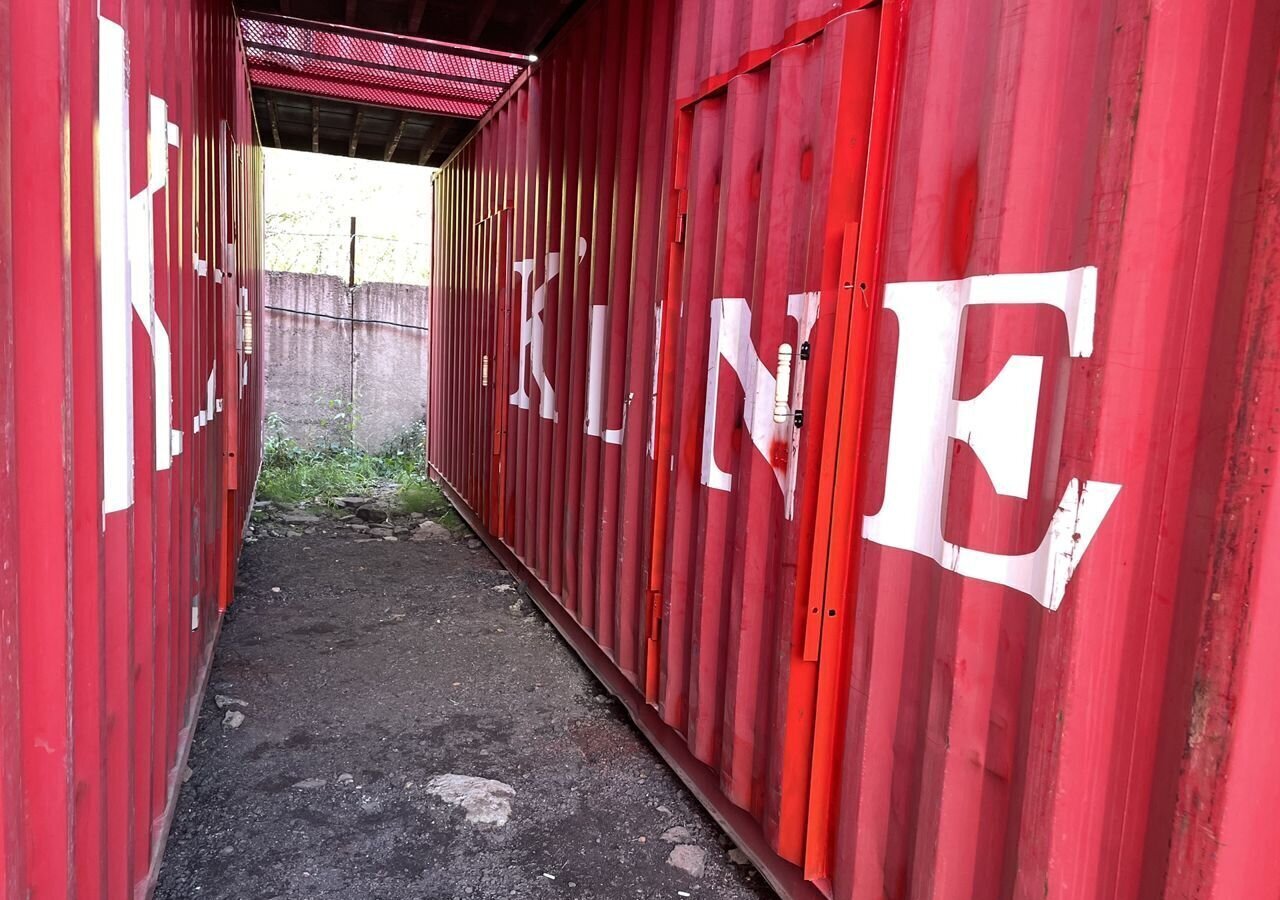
(543, 29)
(415, 16)
(355, 132)
(484, 11)
(395, 138)
(431, 141)
(275, 123)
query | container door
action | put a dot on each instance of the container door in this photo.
(496, 243)
(768, 181)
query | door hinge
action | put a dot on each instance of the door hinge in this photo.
(797, 418)
(681, 220)
(805, 350)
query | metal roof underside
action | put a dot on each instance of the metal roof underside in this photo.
(395, 80)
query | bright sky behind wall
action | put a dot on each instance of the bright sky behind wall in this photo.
(310, 199)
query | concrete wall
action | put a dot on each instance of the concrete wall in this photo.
(389, 364)
(337, 356)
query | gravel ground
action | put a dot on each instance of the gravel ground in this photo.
(365, 670)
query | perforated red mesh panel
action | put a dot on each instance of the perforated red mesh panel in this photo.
(370, 67)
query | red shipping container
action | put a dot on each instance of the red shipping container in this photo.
(971, 606)
(1070, 444)
(130, 234)
(881, 400)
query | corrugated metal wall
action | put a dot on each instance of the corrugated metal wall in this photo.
(1081, 237)
(545, 219)
(130, 409)
(770, 153)
(595, 226)
(993, 621)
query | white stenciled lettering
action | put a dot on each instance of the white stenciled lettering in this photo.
(998, 424)
(597, 341)
(533, 306)
(127, 271)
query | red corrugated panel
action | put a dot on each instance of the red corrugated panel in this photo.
(1008, 639)
(128, 461)
(1069, 379)
(542, 353)
(595, 218)
(11, 852)
(771, 195)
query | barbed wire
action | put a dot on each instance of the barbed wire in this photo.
(377, 258)
(346, 235)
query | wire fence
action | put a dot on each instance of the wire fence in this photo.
(360, 257)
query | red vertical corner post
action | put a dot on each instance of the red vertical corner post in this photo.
(664, 383)
(228, 341)
(832, 572)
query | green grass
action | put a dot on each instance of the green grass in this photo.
(422, 498)
(292, 474)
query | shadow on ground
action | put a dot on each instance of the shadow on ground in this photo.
(365, 669)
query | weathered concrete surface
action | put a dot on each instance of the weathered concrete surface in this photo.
(380, 666)
(389, 363)
(345, 364)
(308, 355)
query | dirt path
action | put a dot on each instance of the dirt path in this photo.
(368, 669)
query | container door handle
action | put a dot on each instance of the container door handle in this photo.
(782, 390)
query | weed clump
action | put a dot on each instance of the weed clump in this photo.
(293, 474)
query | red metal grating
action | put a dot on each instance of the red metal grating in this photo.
(371, 67)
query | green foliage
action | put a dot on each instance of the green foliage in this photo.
(423, 498)
(294, 474)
